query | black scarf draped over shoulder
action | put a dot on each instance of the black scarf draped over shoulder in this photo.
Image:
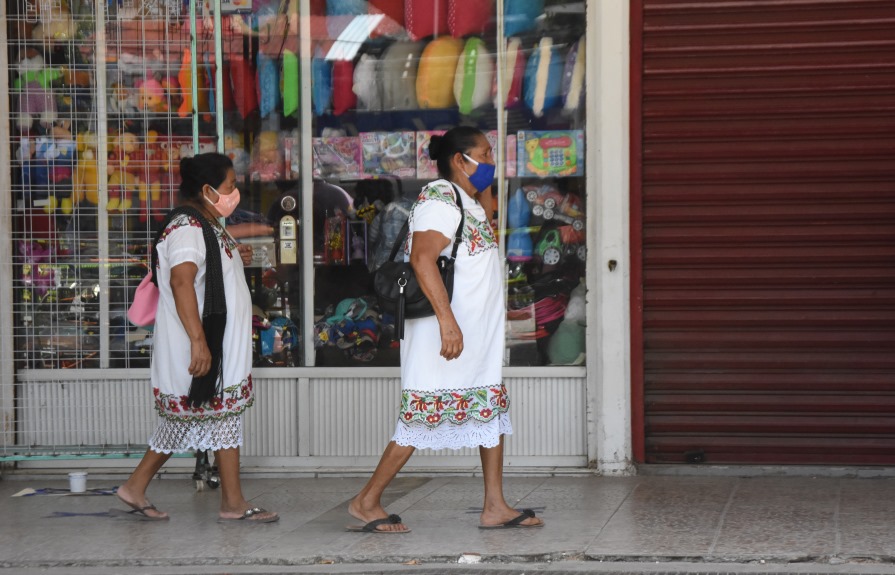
(214, 310)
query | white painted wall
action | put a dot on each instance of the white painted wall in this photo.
(608, 161)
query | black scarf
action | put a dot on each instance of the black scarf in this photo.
(214, 311)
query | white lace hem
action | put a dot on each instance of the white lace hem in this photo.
(472, 433)
(179, 436)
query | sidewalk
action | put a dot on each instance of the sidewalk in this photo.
(841, 525)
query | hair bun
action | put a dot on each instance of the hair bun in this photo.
(435, 147)
(185, 164)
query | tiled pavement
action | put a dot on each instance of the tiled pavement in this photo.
(844, 524)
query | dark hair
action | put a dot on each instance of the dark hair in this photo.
(201, 170)
(442, 148)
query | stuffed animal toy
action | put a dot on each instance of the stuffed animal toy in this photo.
(398, 68)
(435, 76)
(267, 164)
(367, 87)
(171, 87)
(122, 101)
(56, 25)
(185, 78)
(573, 77)
(152, 96)
(123, 168)
(36, 103)
(474, 77)
(543, 78)
(86, 179)
(234, 148)
(513, 72)
(32, 68)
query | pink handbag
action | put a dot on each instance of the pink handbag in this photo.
(142, 311)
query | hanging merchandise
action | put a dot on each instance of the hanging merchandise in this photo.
(289, 83)
(268, 85)
(543, 78)
(398, 69)
(243, 78)
(513, 72)
(321, 82)
(344, 98)
(573, 77)
(521, 15)
(425, 18)
(435, 77)
(474, 76)
(466, 18)
(366, 84)
(208, 69)
(392, 23)
(185, 78)
(228, 104)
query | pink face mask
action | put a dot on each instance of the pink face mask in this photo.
(225, 204)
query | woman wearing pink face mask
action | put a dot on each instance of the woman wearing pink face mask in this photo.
(202, 349)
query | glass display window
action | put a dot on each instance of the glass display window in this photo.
(107, 99)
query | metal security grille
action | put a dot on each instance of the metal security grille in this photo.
(764, 230)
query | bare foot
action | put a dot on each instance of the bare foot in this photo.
(506, 513)
(372, 513)
(135, 501)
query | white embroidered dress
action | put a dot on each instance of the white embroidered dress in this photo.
(216, 424)
(462, 402)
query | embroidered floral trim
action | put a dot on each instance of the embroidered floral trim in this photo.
(439, 190)
(184, 220)
(234, 400)
(477, 235)
(454, 406)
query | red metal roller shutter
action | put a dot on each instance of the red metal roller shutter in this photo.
(764, 231)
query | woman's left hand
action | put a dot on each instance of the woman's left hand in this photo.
(245, 252)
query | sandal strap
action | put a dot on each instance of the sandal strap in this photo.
(525, 514)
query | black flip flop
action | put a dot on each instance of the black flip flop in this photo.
(516, 522)
(137, 514)
(372, 525)
(246, 517)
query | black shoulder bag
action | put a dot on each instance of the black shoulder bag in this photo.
(395, 283)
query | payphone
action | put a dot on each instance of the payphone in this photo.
(287, 227)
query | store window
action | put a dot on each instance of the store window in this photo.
(102, 112)
(390, 74)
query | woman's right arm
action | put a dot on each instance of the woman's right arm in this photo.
(182, 278)
(427, 246)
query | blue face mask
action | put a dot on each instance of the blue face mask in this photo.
(483, 176)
